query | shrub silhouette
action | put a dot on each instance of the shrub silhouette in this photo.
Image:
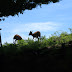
(55, 51)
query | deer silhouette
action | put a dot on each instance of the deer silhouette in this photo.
(16, 37)
(37, 34)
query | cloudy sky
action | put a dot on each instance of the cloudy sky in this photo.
(47, 19)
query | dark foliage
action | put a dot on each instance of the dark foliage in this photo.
(52, 59)
(13, 7)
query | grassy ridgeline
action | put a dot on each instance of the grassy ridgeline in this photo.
(54, 51)
(56, 41)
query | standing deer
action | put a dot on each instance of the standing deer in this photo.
(17, 37)
(37, 34)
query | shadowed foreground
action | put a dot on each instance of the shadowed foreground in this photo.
(60, 59)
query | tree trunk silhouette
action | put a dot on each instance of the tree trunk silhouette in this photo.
(0, 40)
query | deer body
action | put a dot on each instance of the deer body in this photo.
(37, 34)
(17, 37)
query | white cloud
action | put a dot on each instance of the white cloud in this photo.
(46, 26)
(24, 29)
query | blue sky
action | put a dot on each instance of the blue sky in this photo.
(47, 19)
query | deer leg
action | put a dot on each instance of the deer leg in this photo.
(15, 41)
(38, 39)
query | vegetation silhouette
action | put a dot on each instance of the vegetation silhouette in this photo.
(14, 7)
(54, 52)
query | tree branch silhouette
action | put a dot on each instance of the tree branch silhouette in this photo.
(14, 7)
